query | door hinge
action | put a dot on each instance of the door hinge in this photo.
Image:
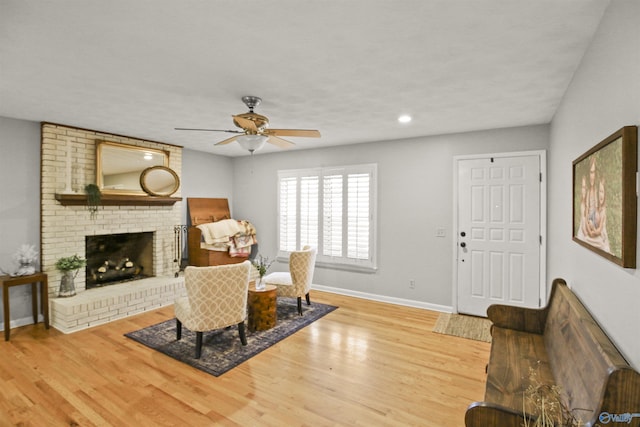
(540, 239)
(540, 176)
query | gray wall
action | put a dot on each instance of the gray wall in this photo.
(604, 96)
(205, 175)
(20, 206)
(415, 188)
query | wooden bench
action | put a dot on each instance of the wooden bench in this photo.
(565, 347)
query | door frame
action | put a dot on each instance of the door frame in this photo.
(542, 156)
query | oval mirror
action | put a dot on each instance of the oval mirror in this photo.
(159, 181)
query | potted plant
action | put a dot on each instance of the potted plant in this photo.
(94, 197)
(261, 264)
(69, 267)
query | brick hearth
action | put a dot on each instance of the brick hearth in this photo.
(102, 305)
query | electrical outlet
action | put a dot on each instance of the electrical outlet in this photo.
(440, 232)
(412, 284)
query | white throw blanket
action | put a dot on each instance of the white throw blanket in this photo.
(220, 231)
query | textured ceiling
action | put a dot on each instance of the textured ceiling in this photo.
(347, 68)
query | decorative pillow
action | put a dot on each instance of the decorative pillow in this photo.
(279, 279)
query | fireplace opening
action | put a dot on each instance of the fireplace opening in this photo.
(116, 258)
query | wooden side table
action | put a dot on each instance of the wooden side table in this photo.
(261, 305)
(34, 279)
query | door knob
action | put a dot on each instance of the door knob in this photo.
(463, 244)
(463, 233)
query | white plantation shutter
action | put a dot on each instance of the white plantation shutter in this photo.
(287, 209)
(358, 216)
(332, 216)
(309, 211)
(333, 209)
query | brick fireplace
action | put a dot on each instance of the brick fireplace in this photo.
(117, 258)
(64, 229)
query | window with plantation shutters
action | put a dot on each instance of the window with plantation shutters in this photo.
(332, 209)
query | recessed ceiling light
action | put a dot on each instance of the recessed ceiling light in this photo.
(405, 118)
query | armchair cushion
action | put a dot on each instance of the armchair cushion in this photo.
(279, 278)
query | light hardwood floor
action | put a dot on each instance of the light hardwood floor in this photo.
(365, 364)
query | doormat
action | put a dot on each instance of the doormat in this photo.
(221, 349)
(470, 327)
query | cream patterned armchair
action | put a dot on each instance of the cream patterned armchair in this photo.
(216, 298)
(297, 282)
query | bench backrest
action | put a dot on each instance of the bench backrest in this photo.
(592, 374)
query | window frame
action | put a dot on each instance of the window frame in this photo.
(342, 262)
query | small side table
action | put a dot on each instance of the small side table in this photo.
(261, 304)
(34, 279)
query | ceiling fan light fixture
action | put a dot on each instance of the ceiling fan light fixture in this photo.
(252, 143)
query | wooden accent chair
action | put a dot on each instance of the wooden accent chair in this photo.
(297, 282)
(216, 298)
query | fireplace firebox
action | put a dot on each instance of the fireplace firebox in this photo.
(116, 258)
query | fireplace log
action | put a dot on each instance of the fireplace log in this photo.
(111, 271)
(113, 274)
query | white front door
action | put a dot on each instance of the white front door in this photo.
(498, 253)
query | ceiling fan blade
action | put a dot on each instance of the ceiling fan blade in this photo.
(245, 123)
(279, 142)
(227, 141)
(211, 130)
(307, 133)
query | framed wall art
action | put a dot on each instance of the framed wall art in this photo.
(604, 197)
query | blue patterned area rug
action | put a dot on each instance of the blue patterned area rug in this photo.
(221, 349)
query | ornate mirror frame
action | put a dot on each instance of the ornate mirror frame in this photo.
(119, 167)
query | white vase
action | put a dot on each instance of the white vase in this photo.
(260, 283)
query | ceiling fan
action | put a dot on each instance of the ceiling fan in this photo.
(255, 130)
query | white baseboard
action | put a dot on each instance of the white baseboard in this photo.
(384, 298)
